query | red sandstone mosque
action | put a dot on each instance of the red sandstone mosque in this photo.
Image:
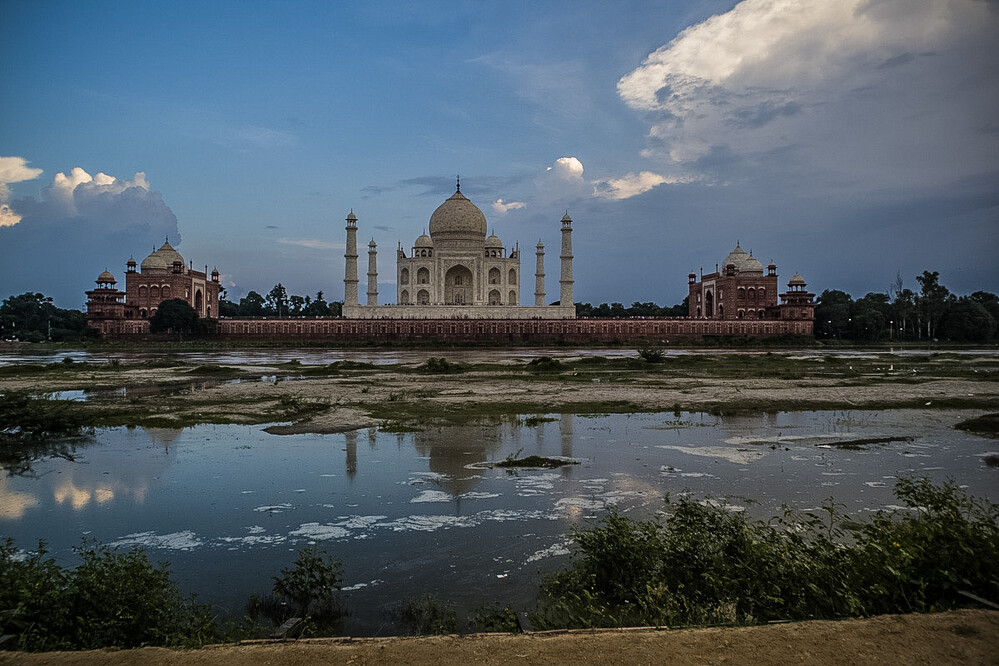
(161, 276)
(460, 286)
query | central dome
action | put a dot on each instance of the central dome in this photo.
(458, 219)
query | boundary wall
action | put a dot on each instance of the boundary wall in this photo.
(575, 331)
(489, 331)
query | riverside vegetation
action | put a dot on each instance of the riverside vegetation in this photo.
(698, 565)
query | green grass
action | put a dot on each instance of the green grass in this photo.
(987, 424)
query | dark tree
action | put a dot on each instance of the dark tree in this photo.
(228, 309)
(252, 305)
(277, 300)
(966, 320)
(31, 317)
(833, 312)
(174, 316)
(933, 299)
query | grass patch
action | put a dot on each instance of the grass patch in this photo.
(535, 462)
(987, 424)
(440, 366)
(537, 420)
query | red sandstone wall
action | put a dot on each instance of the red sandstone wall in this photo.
(579, 331)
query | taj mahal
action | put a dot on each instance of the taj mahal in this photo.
(457, 272)
(458, 284)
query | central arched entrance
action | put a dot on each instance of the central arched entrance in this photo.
(458, 286)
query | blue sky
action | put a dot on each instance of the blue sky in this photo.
(847, 141)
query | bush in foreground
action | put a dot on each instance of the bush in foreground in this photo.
(112, 598)
(705, 565)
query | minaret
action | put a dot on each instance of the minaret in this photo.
(539, 276)
(372, 273)
(565, 279)
(350, 263)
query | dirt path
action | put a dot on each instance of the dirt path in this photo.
(959, 637)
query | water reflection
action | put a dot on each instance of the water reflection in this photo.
(428, 512)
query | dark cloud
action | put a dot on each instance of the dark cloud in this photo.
(74, 230)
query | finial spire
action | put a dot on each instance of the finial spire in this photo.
(458, 186)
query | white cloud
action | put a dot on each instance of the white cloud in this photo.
(634, 184)
(312, 243)
(567, 168)
(64, 188)
(78, 225)
(14, 170)
(8, 217)
(502, 207)
(865, 92)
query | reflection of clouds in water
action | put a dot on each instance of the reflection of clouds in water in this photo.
(738, 456)
(13, 504)
(78, 497)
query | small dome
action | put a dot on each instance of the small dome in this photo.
(751, 265)
(372, 243)
(351, 216)
(566, 218)
(458, 219)
(154, 260)
(424, 241)
(796, 280)
(540, 245)
(494, 242)
(170, 255)
(165, 257)
(130, 262)
(106, 276)
(735, 258)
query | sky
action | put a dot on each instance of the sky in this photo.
(852, 142)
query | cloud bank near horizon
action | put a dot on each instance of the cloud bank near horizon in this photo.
(79, 224)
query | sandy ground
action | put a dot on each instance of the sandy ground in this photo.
(959, 637)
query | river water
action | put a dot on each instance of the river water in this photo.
(410, 513)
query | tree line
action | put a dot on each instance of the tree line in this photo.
(31, 317)
(277, 303)
(903, 315)
(636, 309)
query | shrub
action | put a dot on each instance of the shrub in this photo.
(112, 598)
(652, 354)
(494, 619)
(427, 615)
(705, 565)
(313, 582)
(545, 364)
